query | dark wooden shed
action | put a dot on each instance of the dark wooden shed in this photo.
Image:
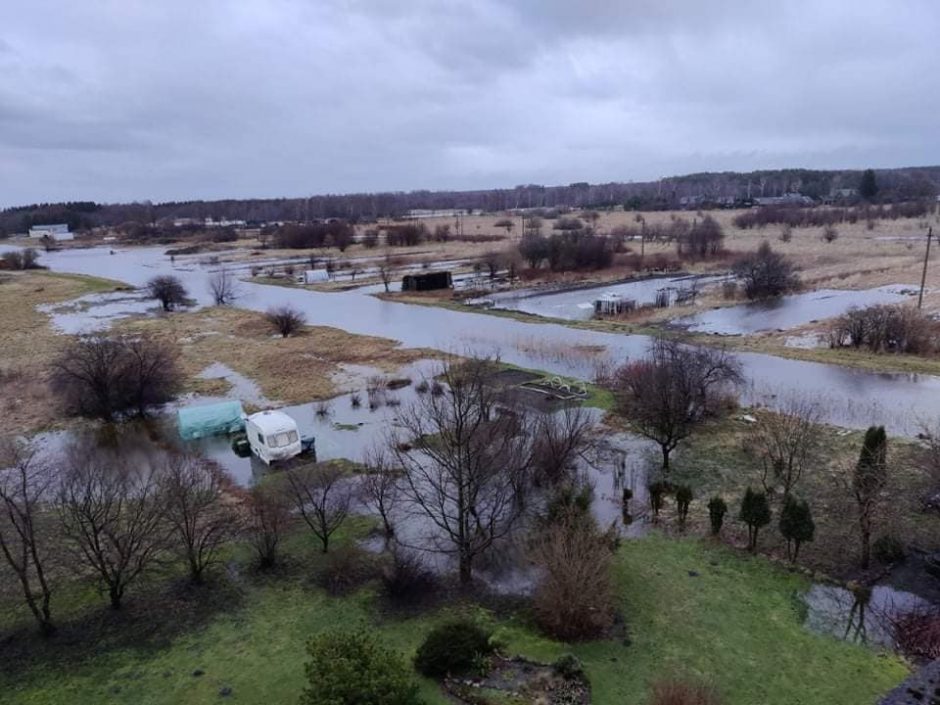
(427, 282)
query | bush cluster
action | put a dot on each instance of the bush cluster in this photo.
(454, 648)
(801, 216)
(885, 328)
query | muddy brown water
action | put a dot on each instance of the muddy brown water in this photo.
(850, 397)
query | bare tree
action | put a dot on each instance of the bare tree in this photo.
(286, 320)
(322, 497)
(380, 487)
(268, 518)
(104, 377)
(223, 285)
(385, 271)
(152, 373)
(25, 540)
(766, 274)
(469, 466)
(168, 290)
(200, 518)
(786, 443)
(560, 438)
(667, 395)
(112, 516)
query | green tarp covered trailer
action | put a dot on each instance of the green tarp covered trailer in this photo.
(211, 420)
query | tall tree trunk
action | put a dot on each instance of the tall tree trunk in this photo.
(466, 568)
(114, 594)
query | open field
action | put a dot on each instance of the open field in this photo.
(28, 343)
(736, 622)
(289, 370)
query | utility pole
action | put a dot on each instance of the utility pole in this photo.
(923, 277)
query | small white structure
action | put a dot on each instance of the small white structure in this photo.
(272, 435)
(58, 232)
(611, 304)
(312, 276)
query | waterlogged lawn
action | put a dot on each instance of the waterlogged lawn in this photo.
(736, 622)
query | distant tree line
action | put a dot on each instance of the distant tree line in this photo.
(728, 188)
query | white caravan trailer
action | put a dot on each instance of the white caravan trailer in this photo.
(273, 435)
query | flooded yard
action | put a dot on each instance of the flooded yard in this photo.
(788, 311)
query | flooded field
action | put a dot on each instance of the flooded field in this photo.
(577, 304)
(789, 311)
(851, 397)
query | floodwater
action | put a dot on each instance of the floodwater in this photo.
(787, 311)
(578, 304)
(863, 617)
(853, 398)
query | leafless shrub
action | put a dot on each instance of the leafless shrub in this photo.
(104, 377)
(323, 408)
(223, 285)
(885, 328)
(917, 633)
(168, 290)
(676, 691)
(830, 234)
(765, 273)
(345, 569)
(286, 320)
(786, 443)
(355, 400)
(575, 598)
(704, 239)
(407, 580)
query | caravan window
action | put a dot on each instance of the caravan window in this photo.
(280, 440)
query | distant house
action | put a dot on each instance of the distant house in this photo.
(427, 282)
(58, 232)
(787, 199)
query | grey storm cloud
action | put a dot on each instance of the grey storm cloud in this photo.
(118, 100)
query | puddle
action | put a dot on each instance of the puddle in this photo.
(787, 311)
(243, 389)
(863, 618)
(578, 303)
(96, 312)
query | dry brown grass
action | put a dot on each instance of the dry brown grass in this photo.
(28, 343)
(291, 370)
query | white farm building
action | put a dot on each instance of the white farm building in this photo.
(57, 232)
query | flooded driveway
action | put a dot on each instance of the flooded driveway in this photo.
(788, 311)
(577, 304)
(851, 397)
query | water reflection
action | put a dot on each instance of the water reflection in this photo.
(786, 312)
(863, 615)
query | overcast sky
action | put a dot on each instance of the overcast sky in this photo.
(117, 100)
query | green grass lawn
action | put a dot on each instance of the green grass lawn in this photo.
(736, 623)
